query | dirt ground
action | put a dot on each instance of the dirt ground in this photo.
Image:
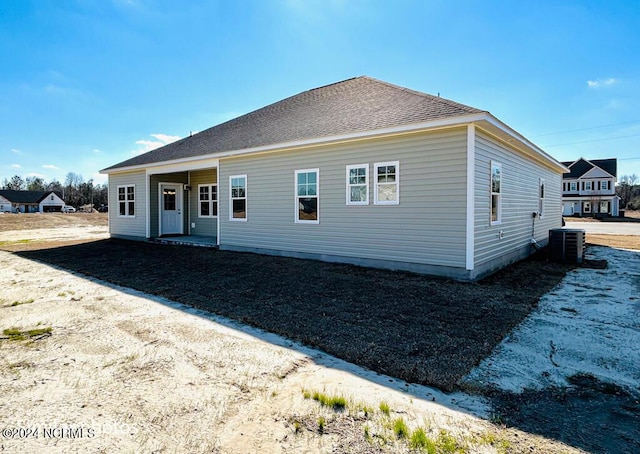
(423, 330)
(51, 220)
(103, 368)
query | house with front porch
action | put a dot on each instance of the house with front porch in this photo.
(590, 188)
(360, 171)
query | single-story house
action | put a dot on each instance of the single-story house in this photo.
(360, 171)
(12, 201)
(589, 188)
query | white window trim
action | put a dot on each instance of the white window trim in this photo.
(573, 186)
(498, 221)
(231, 199)
(349, 186)
(296, 196)
(126, 202)
(376, 184)
(211, 202)
(541, 195)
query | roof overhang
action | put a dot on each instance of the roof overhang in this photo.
(483, 120)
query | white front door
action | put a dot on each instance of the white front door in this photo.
(170, 209)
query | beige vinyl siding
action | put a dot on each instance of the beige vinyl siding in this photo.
(520, 189)
(203, 226)
(128, 226)
(154, 202)
(426, 227)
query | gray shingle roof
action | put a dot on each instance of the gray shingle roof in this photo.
(24, 196)
(355, 105)
(582, 166)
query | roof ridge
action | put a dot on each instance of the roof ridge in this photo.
(421, 93)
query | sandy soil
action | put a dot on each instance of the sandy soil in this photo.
(125, 372)
(575, 359)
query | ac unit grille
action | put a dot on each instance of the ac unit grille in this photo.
(567, 245)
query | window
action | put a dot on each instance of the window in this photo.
(358, 184)
(238, 198)
(586, 207)
(126, 201)
(496, 193)
(587, 186)
(604, 207)
(604, 185)
(208, 200)
(574, 186)
(307, 194)
(386, 186)
(541, 204)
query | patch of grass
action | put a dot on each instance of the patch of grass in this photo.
(384, 408)
(62, 294)
(9, 243)
(367, 410)
(420, 441)
(18, 303)
(367, 434)
(16, 334)
(447, 443)
(306, 394)
(491, 439)
(321, 424)
(297, 427)
(338, 403)
(400, 428)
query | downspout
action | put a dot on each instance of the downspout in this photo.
(534, 243)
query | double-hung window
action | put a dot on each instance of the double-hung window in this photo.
(208, 196)
(307, 183)
(387, 183)
(574, 186)
(238, 198)
(496, 193)
(126, 201)
(541, 203)
(358, 184)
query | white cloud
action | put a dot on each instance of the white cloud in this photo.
(16, 151)
(148, 145)
(601, 82)
(39, 175)
(16, 166)
(165, 138)
(95, 150)
(50, 166)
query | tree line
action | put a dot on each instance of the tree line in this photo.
(628, 190)
(75, 191)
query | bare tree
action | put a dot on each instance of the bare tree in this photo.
(625, 188)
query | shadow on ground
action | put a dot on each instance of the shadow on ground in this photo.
(423, 330)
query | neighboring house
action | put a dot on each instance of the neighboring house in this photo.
(30, 201)
(590, 188)
(360, 171)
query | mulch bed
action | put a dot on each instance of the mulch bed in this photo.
(420, 329)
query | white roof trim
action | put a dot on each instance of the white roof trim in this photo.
(395, 130)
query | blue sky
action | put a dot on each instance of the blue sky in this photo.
(85, 84)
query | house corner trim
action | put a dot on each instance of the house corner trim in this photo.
(470, 217)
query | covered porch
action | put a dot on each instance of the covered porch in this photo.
(183, 206)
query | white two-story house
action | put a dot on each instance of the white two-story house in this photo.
(590, 188)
